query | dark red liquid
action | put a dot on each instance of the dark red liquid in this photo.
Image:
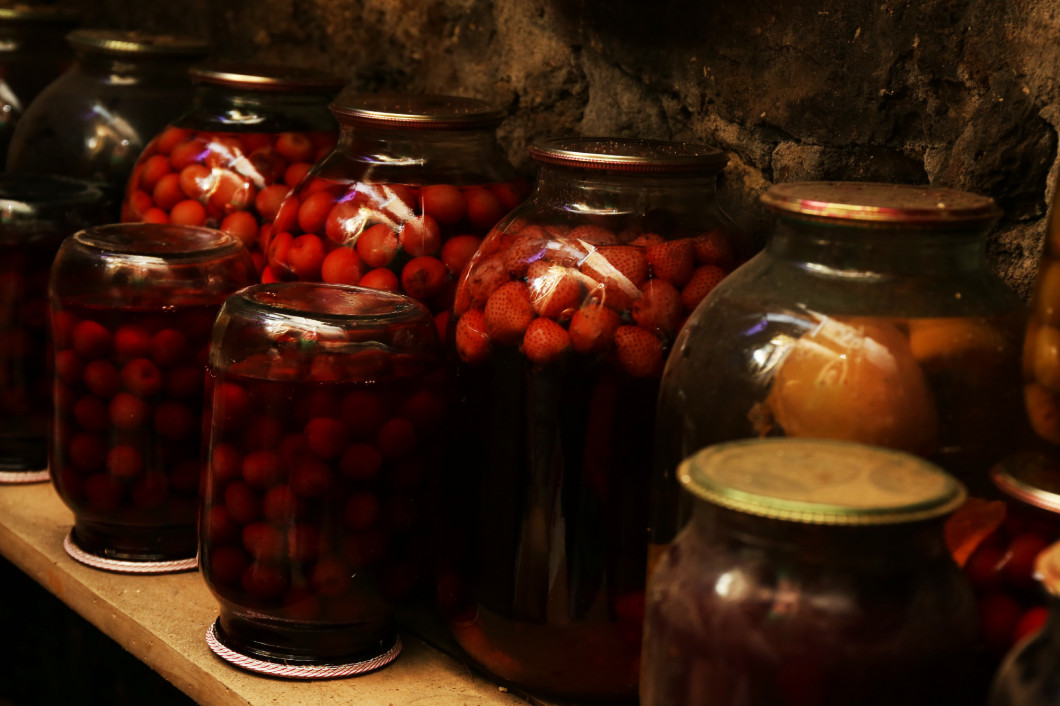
(315, 509)
(128, 425)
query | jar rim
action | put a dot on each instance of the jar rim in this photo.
(120, 42)
(39, 13)
(415, 111)
(875, 202)
(265, 77)
(159, 240)
(629, 155)
(1027, 477)
(821, 482)
(335, 302)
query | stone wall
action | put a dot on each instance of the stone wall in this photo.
(958, 93)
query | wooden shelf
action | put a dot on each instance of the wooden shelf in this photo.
(162, 620)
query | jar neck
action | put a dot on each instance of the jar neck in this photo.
(879, 248)
(227, 108)
(132, 66)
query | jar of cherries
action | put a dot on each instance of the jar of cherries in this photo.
(38, 213)
(324, 423)
(562, 321)
(252, 133)
(402, 202)
(132, 308)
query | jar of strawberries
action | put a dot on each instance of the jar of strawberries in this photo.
(252, 133)
(562, 321)
(402, 202)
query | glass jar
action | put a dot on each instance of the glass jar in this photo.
(324, 421)
(36, 214)
(562, 321)
(33, 52)
(402, 202)
(812, 572)
(251, 135)
(870, 316)
(132, 307)
(1028, 676)
(94, 120)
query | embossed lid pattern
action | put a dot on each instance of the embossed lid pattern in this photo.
(821, 482)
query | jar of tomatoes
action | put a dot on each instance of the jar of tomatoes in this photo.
(563, 319)
(252, 133)
(811, 572)
(132, 308)
(38, 213)
(33, 52)
(324, 422)
(870, 316)
(94, 120)
(402, 202)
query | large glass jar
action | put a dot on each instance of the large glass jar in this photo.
(324, 419)
(250, 136)
(133, 306)
(562, 321)
(33, 52)
(402, 202)
(870, 316)
(36, 214)
(812, 572)
(93, 121)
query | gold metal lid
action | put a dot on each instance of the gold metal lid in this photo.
(815, 481)
(50, 14)
(265, 77)
(1029, 478)
(630, 155)
(1047, 569)
(880, 203)
(110, 41)
(417, 112)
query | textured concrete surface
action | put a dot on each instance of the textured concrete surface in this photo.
(959, 93)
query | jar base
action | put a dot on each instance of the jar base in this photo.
(137, 551)
(277, 666)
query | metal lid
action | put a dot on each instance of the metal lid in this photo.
(418, 112)
(815, 481)
(1047, 569)
(880, 203)
(630, 155)
(39, 13)
(266, 77)
(110, 41)
(1029, 479)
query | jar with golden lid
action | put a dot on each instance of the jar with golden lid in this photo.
(870, 316)
(251, 134)
(812, 572)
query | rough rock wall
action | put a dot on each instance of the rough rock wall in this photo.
(958, 93)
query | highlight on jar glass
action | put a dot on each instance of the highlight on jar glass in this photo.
(251, 134)
(324, 418)
(133, 307)
(38, 213)
(562, 321)
(812, 571)
(94, 120)
(870, 316)
(402, 202)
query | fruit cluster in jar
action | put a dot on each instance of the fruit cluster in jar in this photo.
(319, 479)
(1041, 348)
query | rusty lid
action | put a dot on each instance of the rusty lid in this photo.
(630, 155)
(265, 77)
(110, 41)
(417, 112)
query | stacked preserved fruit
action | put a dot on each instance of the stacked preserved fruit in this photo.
(320, 475)
(132, 310)
(403, 201)
(561, 324)
(210, 169)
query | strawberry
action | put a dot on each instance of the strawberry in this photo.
(508, 312)
(472, 342)
(714, 248)
(645, 240)
(545, 341)
(659, 308)
(484, 278)
(703, 280)
(673, 261)
(621, 269)
(555, 292)
(525, 250)
(593, 235)
(640, 352)
(592, 328)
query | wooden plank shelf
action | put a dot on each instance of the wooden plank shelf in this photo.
(162, 620)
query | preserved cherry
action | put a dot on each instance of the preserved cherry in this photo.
(132, 311)
(319, 483)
